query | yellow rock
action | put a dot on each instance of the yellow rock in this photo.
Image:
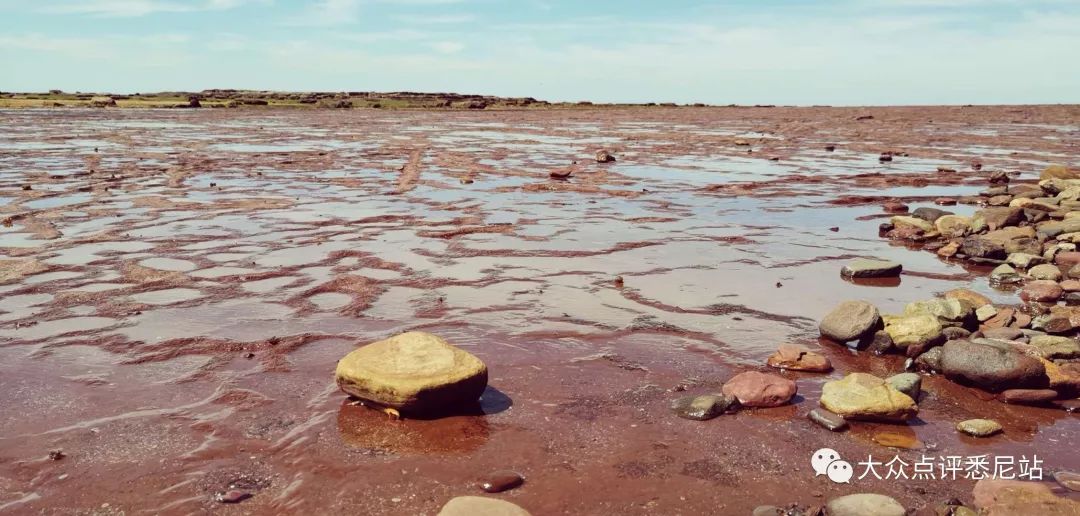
(413, 372)
(865, 396)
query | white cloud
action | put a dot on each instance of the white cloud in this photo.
(137, 8)
(448, 47)
(327, 13)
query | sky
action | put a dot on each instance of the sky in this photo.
(838, 52)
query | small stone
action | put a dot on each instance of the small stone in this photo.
(1070, 285)
(930, 214)
(907, 383)
(1068, 480)
(952, 226)
(979, 427)
(754, 389)
(1028, 396)
(866, 504)
(1003, 333)
(603, 156)
(894, 207)
(1024, 260)
(1045, 271)
(500, 481)
(798, 358)
(945, 201)
(232, 496)
(1004, 274)
(913, 331)
(949, 250)
(480, 506)
(1043, 291)
(1053, 347)
(57, 455)
(867, 268)
(881, 344)
(904, 221)
(864, 396)
(955, 333)
(850, 321)
(701, 408)
(984, 313)
(827, 419)
(976, 299)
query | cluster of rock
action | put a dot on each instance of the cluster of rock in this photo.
(964, 337)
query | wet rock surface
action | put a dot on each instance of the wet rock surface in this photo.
(754, 389)
(850, 321)
(979, 427)
(704, 407)
(416, 372)
(864, 396)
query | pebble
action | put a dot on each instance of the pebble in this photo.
(907, 383)
(1068, 480)
(232, 496)
(979, 427)
(500, 481)
(827, 419)
(702, 408)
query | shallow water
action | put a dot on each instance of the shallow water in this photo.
(179, 329)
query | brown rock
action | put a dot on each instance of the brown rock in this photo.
(500, 481)
(1028, 396)
(754, 389)
(1004, 317)
(976, 299)
(1044, 291)
(799, 358)
(894, 207)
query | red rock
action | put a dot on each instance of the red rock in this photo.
(1067, 258)
(1028, 396)
(754, 389)
(500, 481)
(945, 201)
(1044, 291)
(1003, 318)
(988, 491)
(799, 358)
(895, 207)
(1070, 285)
(1022, 320)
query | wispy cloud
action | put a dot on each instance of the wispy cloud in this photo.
(326, 13)
(137, 8)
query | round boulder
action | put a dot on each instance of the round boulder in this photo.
(754, 389)
(991, 368)
(865, 396)
(850, 321)
(414, 372)
(798, 358)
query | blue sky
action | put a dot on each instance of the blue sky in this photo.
(840, 52)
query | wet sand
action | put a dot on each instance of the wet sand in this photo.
(177, 286)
